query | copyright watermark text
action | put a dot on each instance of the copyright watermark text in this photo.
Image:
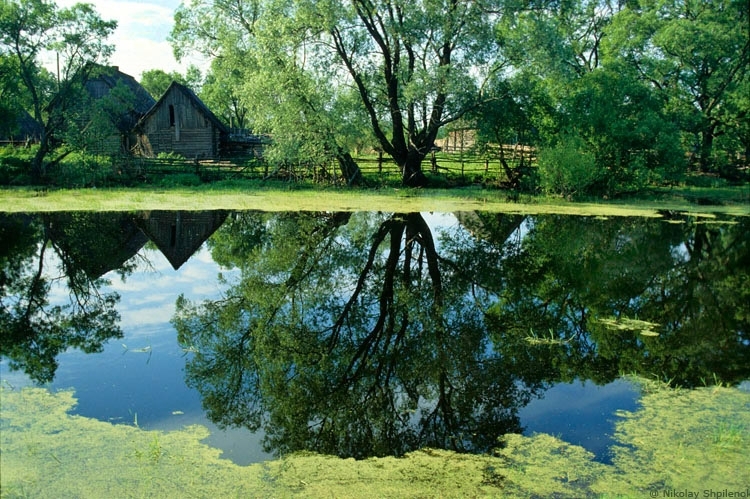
(704, 493)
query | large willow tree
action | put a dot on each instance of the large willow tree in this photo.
(414, 65)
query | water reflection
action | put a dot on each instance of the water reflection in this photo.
(79, 248)
(353, 334)
(363, 334)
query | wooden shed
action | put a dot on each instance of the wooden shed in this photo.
(181, 123)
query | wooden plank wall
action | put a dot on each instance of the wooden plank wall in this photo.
(195, 143)
(193, 135)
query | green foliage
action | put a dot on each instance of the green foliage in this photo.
(14, 165)
(179, 179)
(171, 157)
(339, 80)
(28, 28)
(694, 55)
(156, 81)
(568, 168)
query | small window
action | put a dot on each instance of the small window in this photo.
(171, 115)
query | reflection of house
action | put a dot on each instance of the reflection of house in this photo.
(181, 123)
(179, 234)
(94, 243)
(128, 102)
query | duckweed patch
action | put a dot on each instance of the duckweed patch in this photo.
(644, 328)
(678, 440)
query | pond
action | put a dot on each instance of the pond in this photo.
(367, 335)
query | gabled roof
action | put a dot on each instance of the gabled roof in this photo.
(177, 87)
(103, 79)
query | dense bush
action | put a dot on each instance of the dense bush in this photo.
(82, 170)
(568, 168)
(15, 165)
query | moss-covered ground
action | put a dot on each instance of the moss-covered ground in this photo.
(679, 441)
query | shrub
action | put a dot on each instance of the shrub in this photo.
(79, 169)
(15, 164)
(568, 168)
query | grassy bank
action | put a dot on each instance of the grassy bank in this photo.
(283, 197)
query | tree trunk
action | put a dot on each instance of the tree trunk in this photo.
(349, 169)
(411, 170)
(707, 144)
(38, 169)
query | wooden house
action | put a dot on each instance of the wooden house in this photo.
(127, 102)
(181, 123)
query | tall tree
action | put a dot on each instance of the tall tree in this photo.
(222, 92)
(413, 64)
(265, 74)
(695, 54)
(31, 28)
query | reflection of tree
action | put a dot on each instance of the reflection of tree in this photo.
(352, 334)
(33, 328)
(562, 282)
(347, 334)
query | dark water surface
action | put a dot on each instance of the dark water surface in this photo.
(362, 334)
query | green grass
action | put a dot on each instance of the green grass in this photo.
(280, 196)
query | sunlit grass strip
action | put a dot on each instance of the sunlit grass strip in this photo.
(280, 198)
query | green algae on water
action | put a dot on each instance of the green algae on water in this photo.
(678, 440)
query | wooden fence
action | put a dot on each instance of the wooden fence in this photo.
(465, 167)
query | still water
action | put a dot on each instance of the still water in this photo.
(370, 334)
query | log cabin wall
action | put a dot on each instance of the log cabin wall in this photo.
(180, 123)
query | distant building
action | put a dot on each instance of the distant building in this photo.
(458, 140)
(181, 123)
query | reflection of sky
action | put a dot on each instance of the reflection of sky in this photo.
(125, 385)
(580, 413)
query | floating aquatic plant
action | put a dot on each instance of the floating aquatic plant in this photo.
(678, 440)
(644, 328)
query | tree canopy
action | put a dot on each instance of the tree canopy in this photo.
(31, 29)
(637, 85)
(613, 95)
(413, 66)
